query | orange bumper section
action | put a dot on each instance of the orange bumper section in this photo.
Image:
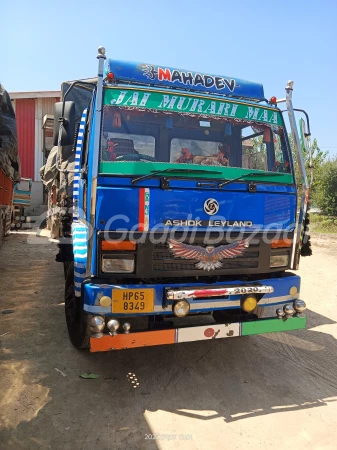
(132, 340)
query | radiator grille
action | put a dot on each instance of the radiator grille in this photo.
(165, 261)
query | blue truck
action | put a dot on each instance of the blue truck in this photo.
(186, 219)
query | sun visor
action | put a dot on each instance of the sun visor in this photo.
(168, 77)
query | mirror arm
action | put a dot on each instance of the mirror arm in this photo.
(306, 116)
(308, 122)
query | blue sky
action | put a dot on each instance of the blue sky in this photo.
(45, 43)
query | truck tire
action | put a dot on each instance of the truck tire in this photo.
(66, 265)
(77, 319)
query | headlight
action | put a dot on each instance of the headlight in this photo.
(118, 265)
(279, 260)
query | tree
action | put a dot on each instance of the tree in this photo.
(318, 156)
(318, 160)
(258, 154)
(325, 193)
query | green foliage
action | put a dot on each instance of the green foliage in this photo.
(318, 167)
(318, 158)
(323, 224)
(323, 190)
(258, 154)
(325, 193)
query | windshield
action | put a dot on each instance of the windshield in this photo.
(131, 134)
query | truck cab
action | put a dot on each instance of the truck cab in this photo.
(186, 220)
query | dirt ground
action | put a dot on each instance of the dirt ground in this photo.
(271, 391)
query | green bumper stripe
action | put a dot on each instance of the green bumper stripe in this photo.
(273, 325)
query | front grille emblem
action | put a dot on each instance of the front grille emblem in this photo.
(209, 258)
(211, 206)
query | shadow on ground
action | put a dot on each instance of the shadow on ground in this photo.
(147, 392)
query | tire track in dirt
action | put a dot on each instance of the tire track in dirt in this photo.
(310, 365)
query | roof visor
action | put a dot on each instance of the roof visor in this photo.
(151, 74)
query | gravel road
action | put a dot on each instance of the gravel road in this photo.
(272, 391)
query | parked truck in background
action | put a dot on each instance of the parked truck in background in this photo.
(177, 219)
(9, 161)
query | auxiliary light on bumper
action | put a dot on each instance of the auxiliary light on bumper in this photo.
(181, 308)
(248, 303)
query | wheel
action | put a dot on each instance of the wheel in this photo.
(66, 265)
(77, 319)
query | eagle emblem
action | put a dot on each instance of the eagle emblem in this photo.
(209, 257)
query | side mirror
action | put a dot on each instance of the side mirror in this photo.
(68, 130)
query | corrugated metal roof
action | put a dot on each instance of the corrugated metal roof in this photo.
(43, 106)
(34, 94)
(48, 105)
(25, 120)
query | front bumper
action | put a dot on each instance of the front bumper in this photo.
(274, 293)
(189, 334)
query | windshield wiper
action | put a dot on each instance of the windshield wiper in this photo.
(251, 174)
(157, 172)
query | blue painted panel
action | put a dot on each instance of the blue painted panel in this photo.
(163, 76)
(118, 207)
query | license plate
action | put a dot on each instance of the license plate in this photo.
(133, 301)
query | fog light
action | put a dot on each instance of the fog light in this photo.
(279, 260)
(288, 309)
(300, 306)
(96, 326)
(293, 291)
(126, 327)
(113, 326)
(249, 303)
(181, 308)
(105, 301)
